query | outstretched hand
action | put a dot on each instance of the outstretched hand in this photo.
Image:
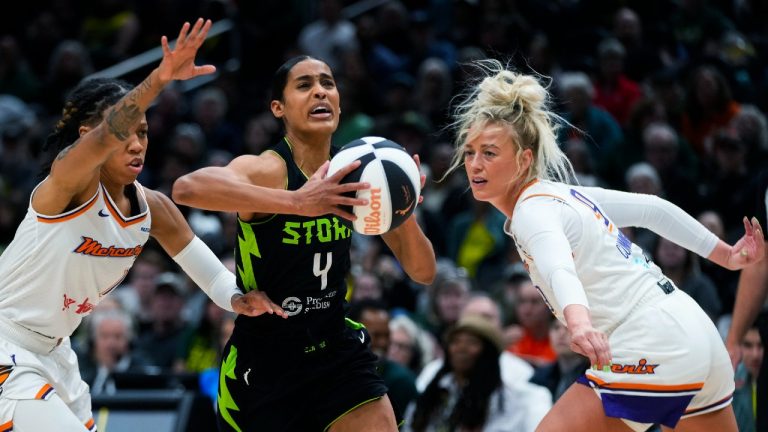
(750, 248)
(325, 195)
(179, 63)
(255, 303)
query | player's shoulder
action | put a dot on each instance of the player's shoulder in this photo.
(542, 193)
(266, 169)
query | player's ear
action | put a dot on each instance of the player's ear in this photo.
(277, 108)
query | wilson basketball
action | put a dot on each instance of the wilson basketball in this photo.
(394, 179)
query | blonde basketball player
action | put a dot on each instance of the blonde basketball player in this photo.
(656, 356)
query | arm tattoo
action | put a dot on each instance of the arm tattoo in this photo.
(121, 119)
(66, 150)
(125, 116)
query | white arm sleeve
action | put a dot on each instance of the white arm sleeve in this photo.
(201, 264)
(656, 214)
(540, 227)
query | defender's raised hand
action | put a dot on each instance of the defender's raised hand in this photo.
(750, 248)
(179, 63)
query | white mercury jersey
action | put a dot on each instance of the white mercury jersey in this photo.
(569, 235)
(57, 268)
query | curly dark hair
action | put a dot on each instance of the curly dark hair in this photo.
(84, 106)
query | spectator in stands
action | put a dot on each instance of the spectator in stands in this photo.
(567, 367)
(591, 123)
(514, 370)
(68, 65)
(614, 91)
(447, 296)
(162, 341)
(468, 392)
(747, 373)
(534, 317)
(137, 292)
(200, 347)
(641, 58)
(110, 350)
(726, 176)
(751, 127)
(410, 345)
(329, 35)
(399, 379)
(643, 178)
(708, 106)
(367, 285)
(662, 149)
(477, 243)
(210, 110)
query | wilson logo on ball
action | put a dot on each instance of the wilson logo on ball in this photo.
(394, 178)
(373, 220)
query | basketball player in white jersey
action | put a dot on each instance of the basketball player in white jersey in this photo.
(86, 223)
(657, 358)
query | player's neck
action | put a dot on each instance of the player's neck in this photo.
(309, 154)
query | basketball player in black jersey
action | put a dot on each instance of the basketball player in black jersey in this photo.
(311, 371)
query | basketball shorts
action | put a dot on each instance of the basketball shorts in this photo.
(28, 375)
(298, 385)
(669, 362)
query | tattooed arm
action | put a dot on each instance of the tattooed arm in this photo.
(76, 171)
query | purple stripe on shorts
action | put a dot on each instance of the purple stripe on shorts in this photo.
(665, 410)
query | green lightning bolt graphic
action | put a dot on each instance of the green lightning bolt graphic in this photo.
(225, 400)
(248, 247)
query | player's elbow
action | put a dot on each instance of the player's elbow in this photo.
(424, 273)
(183, 191)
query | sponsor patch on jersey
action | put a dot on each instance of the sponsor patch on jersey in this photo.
(292, 306)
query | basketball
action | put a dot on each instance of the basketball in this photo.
(394, 178)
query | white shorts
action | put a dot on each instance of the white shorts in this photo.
(28, 375)
(668, 363)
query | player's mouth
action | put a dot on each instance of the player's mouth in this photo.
(136, 165)
(321, 111)
(478, 182)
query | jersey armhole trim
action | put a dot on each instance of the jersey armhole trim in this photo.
(68, 215)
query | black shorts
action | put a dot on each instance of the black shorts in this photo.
(277, 385)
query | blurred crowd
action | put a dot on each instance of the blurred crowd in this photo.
(666, 97)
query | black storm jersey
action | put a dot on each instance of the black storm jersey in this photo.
(300, 262)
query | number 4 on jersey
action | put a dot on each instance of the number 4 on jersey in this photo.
(322, 273)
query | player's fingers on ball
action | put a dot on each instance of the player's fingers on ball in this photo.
(346, 169)
(344, 214)
(322, 171)
(352, 187)
(343, 200)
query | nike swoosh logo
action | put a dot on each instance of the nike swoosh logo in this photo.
(362, 337)
(102, 213)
